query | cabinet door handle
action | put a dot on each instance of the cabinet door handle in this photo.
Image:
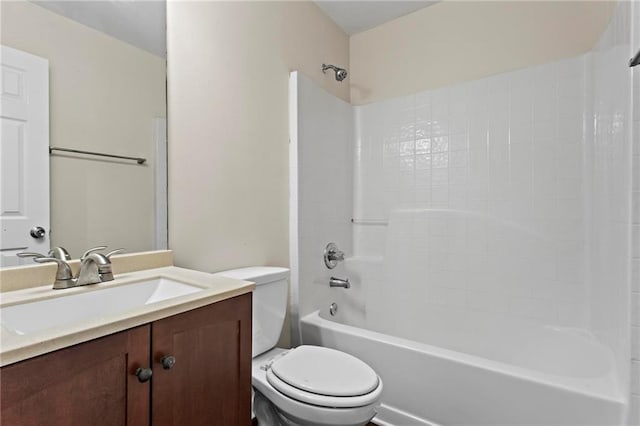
(168, 362)
(144, 374)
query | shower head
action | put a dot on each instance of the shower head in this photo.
(341, 73)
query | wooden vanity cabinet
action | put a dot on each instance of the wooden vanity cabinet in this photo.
(94, 383)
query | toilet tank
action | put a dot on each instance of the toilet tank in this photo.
(269, 303)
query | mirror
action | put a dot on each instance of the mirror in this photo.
(107, 94)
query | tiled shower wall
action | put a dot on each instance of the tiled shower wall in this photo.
(490, 175)
(511, 195)
(609, 162)
(321, 191)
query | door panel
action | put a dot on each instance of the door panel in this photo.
(24, 153)
(87, 384)
(210, 383)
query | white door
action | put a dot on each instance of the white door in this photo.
(24, 155)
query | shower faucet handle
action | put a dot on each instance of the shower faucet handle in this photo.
(332, 255)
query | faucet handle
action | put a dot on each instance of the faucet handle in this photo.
(30, 254)
(91, 250)
(112, 252)
(64, 270)
(332, 255)
(64, 274)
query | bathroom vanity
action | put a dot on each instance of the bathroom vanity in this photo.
(183, 360)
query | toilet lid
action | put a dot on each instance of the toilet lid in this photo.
(323, 400)
(325, 371)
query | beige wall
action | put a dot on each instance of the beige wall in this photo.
(456, 41)
(103, 96)
(228, 69)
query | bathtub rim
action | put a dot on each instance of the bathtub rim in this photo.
(613, 393)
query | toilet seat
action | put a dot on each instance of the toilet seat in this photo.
(324, 377)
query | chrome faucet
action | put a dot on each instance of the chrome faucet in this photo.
(94, 268)
(337, 282)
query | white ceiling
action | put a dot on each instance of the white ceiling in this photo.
(355, 16)
(141, 23)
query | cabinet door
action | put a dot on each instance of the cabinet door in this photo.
(92, 383)
(210, 382)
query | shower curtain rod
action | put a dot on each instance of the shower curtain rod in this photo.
(139, 160)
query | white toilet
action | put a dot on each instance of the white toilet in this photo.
(308, 385)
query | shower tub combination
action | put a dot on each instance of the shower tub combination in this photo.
(518, 373)
(459, 267)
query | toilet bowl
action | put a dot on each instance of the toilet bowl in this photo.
(307, 385)
(312, 385)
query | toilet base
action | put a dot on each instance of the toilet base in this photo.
(267, 414)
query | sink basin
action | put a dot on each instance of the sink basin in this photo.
(30, 317)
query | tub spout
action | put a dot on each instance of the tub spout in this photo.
(337, 282)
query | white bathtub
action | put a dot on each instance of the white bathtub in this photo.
(516, 374)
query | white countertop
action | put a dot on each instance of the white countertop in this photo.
(15, 347)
